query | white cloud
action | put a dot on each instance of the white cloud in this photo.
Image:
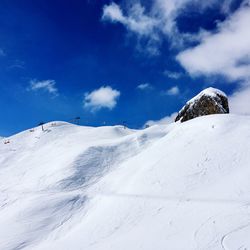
(173, 74)
(137, 22)
(239, 101)
(163, 121)
(225, 52)
(104, 97)
(46, 85)
(145, 25)
(144, 86)
(158, 22)
(113, 13)
(173, 91)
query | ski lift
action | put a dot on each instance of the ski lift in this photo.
(41, 124)
(77, 120)
(124, 123)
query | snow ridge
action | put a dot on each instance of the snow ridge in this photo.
(213, 92)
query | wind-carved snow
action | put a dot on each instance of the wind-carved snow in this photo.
(177, 186)
(93, 163)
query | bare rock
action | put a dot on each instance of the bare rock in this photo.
(209, 101)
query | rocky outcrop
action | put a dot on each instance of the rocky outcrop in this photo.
(209, 101)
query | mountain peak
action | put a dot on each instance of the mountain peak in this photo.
(207, 102)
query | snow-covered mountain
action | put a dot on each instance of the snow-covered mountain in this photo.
(207, 102)
(178, 186)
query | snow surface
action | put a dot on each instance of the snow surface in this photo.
(178, 186)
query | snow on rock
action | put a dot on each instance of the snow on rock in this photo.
(209, 101)
(177, 186)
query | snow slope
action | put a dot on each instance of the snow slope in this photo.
(177, 186)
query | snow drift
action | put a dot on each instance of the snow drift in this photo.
(178, 186)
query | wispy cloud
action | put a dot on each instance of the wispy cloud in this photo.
(17, 64)
(104, 97)
(156, 23)
(172, 74)
(165, 120)
(45, 85)
(137, 22)
(173, 91)
(144, 86)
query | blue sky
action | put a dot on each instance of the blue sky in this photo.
(115, 61)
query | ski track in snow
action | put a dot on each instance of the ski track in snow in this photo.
(181, 186)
